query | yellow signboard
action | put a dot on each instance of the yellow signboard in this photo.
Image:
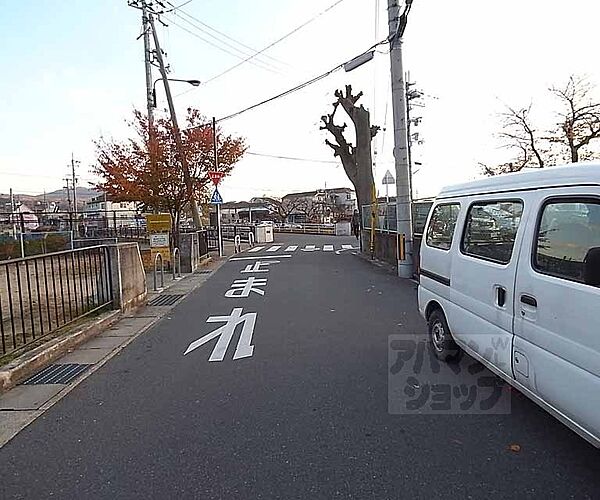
(158, 223)
(164, 252)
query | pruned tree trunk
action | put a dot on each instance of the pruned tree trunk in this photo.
(356, 160)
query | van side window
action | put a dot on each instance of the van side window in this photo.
(441, 226)
(491, 229)
(568, 241)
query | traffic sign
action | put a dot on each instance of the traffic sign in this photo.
(216, 198)
(215, 176)
(388, 178)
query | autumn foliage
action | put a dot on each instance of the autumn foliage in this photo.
(147, 169)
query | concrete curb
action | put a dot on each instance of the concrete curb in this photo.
(32, 361)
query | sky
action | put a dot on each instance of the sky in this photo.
(73, 71)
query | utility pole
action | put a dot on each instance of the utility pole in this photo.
(397, 24)
(216, 167)
(176, 132)
(12, 212)
(74, 184)
(408, 131)
(148, 66)
(68, 188)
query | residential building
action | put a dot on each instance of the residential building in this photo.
(322, 205)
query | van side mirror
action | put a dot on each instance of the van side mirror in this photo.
(591, 267)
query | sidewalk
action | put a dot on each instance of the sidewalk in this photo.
(28, 400)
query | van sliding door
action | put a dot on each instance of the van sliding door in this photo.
(483, 277)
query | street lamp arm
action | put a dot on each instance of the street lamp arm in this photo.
(193, 82)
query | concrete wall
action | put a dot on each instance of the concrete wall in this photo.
(128, 276)
(193, 251)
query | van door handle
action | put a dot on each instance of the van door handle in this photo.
(500, 296)
(529, 300)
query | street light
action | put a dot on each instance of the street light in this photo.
(195, 83)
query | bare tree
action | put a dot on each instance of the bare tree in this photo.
(310, 209)
(520, 137)
(281, 208)
(356, 160)
(579, 117)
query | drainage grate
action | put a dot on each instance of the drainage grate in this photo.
(57, 374)
(165, 300)
(205, 271)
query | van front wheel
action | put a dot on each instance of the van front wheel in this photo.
(442, 342)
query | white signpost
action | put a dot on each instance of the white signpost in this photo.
(388, 179)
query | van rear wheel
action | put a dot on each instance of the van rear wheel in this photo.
(442, 342)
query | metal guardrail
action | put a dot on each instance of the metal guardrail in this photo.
(41, 294)
(305, 228)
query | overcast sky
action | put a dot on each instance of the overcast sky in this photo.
(74, 70)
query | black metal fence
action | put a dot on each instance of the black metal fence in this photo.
(41, 294)
(230, 231)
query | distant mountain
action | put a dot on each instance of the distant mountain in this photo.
(59, 197)
(83, 193)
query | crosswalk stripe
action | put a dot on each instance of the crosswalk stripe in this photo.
(328, 248)
(291, 248)
(274, 248)
(256, 249)
(347, 247)
(309, 248)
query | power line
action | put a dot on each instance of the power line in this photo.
(287, 35)
(289, 91)
(296, 88)
(244, 53)
(294, 158)
(187, 14)
(260, 65)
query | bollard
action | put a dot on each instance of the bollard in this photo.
(162, 271)
(251, 238)
(176, 260)
(237, 243)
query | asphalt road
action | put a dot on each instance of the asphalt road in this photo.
(305, 416)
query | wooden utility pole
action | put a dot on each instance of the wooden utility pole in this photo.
(148, 66)
(176, 131)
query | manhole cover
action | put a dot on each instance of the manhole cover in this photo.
(57, 374)
(165, 300)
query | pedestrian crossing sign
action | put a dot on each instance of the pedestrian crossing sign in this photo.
(216, 198)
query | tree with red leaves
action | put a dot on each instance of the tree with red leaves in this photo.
(145, 167)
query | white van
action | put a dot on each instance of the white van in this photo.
(510, 273)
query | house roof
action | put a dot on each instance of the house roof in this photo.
(313, 193)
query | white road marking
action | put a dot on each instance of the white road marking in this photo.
(243, 288)
(344, 247)
(258, 257)
(273, 248)
(244, 347)
(291, 248)
(255, 249)
(328, 248)
(256, 267)
(309, 248)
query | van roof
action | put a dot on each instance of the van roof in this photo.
(567, 175)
